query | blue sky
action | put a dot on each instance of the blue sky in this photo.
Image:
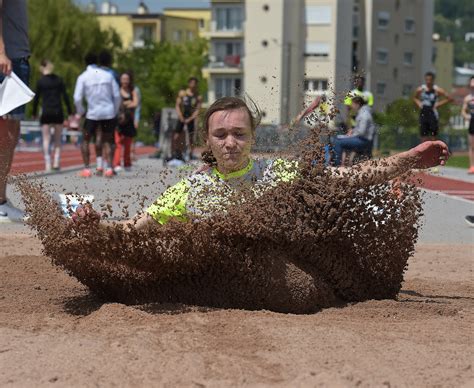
(153, 5)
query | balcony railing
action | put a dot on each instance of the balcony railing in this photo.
(229, 61)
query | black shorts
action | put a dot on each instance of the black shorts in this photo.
(471, 126)
(429, 123)
(180, 127)
(107, 126)
(52, 118)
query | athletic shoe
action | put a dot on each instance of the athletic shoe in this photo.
(434, 170)
(56, 169)
(118, 168)
(99, 171)
(128, 168)
(470, 221)
(471, 170)
(85, 173)
(9, 213)
(109, 173)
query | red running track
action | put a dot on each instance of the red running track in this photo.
(32, 161)
(448, 186)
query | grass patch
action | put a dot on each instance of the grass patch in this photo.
(459, 161)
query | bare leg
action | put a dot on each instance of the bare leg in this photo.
(9, 134)
(108, 148)
(46, 133)
(58, 131)
(471, 151)
(99, 147)
(85, 148)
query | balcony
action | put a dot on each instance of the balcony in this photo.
(230, 64)
(230, 32)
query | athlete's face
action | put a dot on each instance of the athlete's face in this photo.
(230, 138)
(429, 80)
(192, 85)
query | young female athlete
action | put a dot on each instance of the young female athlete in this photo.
(229, 127)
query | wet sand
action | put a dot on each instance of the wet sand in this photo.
(54, 332)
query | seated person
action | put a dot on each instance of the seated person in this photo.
(361, 136)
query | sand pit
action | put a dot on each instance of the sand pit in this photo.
(53, 332)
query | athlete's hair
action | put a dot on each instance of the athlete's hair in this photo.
(230, 103)
(105, 58)
(358, 100)
(90, 59)
(430, 73)
(193, 79)
(46, 66)
(470, 79)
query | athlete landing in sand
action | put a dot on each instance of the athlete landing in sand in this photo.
(229, 126)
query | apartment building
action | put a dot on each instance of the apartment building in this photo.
(282, 52)
(226, 49)
(137, 28)
(392, 45)
(203, 15)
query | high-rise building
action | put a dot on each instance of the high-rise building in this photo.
(280, 52)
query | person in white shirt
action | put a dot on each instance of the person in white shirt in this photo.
(100, 90)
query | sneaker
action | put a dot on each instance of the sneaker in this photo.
(85, 173)
(99, 171)
(471, 170)
(9, 213)
(128, 168)
(109, 173)
(470, 221)
(118, 168)
(434, 170)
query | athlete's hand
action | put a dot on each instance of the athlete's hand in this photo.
(5, 64)
(85, 213)
(430, 154)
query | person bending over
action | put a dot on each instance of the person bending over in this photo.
(229, 129)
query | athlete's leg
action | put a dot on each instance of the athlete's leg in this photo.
(58, 132)
(9, 134)
(46, 137)
(471, 153)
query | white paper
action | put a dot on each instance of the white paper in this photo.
(13, 93)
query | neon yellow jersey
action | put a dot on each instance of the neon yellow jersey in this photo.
(365, 94)
(204, 194)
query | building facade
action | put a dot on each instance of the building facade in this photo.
(392, 46)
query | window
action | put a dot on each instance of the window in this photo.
(142, 34)
(228, 87)
(381, 56)
(409, 25)
(202, 23)
(190, 35)
(313, 85)
(229, 19)
(177, 35)
(408, 58)
(407, 90)
(380, 88)
(317, 49)
(318, 14)
(383, 18)
(224, 50)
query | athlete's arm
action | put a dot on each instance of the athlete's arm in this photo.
(178, 106)
(134, 102)
(465, 113)
(425, 155)
(416, 98)
(5, 63)
(79, 95)
(196, 111)
(447, 98)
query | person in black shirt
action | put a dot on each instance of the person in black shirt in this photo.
(51, 90)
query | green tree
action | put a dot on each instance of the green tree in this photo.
(162, 69)
(63, 33)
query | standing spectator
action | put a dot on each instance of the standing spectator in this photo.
(99, 88)
(14, 54)
(468, 114)
(51, 89)
(361, 136)
(426, 98)
(188, 105)
(126, 122)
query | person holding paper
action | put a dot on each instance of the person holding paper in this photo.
(14, 54)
